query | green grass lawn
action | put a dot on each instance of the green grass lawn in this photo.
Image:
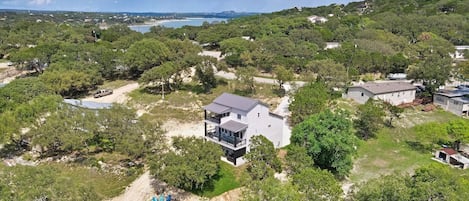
(226, 181)
(390, 151)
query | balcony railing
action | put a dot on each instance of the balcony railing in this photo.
(226, 140)
(215, 119)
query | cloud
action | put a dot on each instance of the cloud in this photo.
(40, 2)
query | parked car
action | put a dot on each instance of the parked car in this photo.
(102, 92)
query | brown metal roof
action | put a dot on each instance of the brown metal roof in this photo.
(388, 87)
(449, 151)
(236, 102)
(233, 126)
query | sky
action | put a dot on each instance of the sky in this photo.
(164, 5)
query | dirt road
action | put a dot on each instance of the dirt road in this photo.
(119, 95)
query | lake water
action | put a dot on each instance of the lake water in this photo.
(177, 23)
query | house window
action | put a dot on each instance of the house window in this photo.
(239, 116)
(363, 94)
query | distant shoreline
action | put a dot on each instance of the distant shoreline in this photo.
(160, 22)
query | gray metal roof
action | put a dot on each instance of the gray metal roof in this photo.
(463, 100)
(236, 102)
(233, 126)
(88, 104)
(217, 108)
(453, 93)
(388, 87)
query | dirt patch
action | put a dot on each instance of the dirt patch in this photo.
(175, 128)
(233, 195)
(119, 95)
(380, 163)
(9, 74)
(145, 187)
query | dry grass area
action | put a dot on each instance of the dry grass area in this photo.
(186, 105)
(392, 150)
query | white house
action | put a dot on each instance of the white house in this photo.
(317, 19)
(231, 121)
(454, 101)
(395, 93)
(459, 53)
(332, 45)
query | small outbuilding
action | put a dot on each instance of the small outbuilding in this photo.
(395, 93)
(452, 157)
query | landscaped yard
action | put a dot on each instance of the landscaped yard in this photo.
(391, 151)
(226, 181)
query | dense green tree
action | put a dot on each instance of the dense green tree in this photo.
(69, 129)
(69, 83)
(262, 158)
(272, 189)
(246, 76)
(191, 163)
(308, 100)
(282, 75)
(369, 119)
(438, 182)
(462, 70)
(42, 182)
(297, 159)
(145, 54)
(328, 139)
(206, 75)
(434, 64)
(115, 32)
(21, 91)
(328, 71)
(431, 133)
(317, 184)
(390, 187)
(392, 112)
(236, 46)
(159, 76)
(458, 130)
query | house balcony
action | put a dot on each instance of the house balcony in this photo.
(213, 113)
(231, 142)
(214, 118)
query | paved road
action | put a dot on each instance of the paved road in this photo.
(287, 86)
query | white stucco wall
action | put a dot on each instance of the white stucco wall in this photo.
(441, 101)
(455, 107)
(450, 105)
(359, 95)
(261, 123)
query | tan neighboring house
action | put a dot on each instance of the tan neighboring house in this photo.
(395, 93)
(454, 101)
